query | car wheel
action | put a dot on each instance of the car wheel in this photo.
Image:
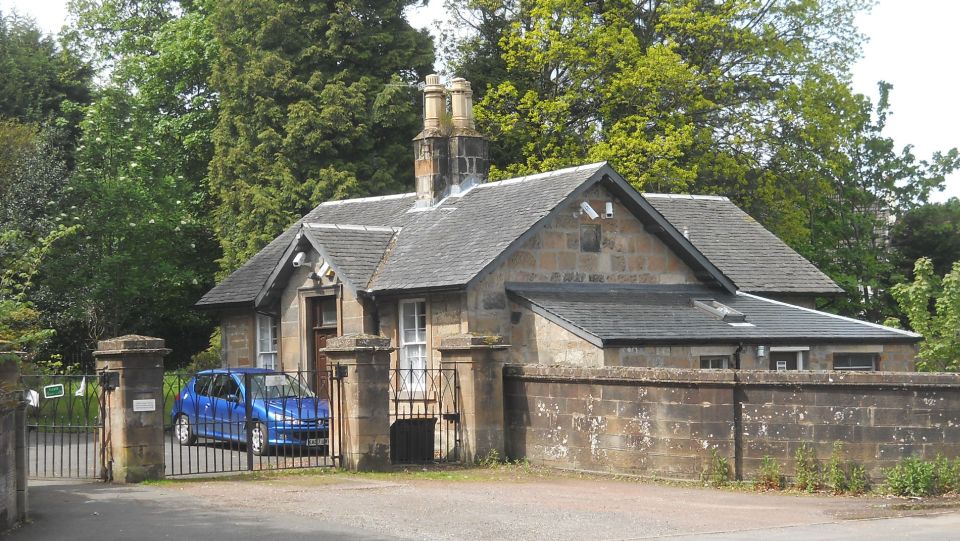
(258, 439)
(183, 431)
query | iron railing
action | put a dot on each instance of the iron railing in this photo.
(424, 415)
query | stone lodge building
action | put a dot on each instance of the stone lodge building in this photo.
(572, 267)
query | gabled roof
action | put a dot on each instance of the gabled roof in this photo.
(456, 242)
(625, 315)
(243, 286)
(353, 251)
(754, 258)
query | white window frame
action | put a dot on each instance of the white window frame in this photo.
(266, 356)
(725, 359)
(414, 377)
(797, 349)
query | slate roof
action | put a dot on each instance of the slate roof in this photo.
(453, 242)
(754, 258)
(610, 315)
(354, 251)
(243, 285)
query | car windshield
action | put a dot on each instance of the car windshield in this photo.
(267, 386)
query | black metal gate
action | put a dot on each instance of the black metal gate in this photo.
(424, 416)
(234, 420)
(64, 421)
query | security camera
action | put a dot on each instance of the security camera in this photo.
(608, 210)
(299, 259)
(585, 207)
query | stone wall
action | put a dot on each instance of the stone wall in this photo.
(666, 422)
(8, 469)
(627, 255)
(239, 338)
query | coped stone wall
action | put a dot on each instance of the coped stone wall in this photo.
(666, 422)
(8, 470)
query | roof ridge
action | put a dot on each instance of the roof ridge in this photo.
(351, 227)
(685, 196)
(367, 199)
(539, 176)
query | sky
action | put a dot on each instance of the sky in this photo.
(913, 44)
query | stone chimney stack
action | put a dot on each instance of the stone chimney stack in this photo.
(449, 157)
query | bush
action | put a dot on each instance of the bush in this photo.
(912, 477)
(768, 476)
(719, 474)
(948, 474)
(836, 469)
(858, 480)
(208, 358)
(806, 469)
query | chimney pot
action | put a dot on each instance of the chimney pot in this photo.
(433, 103)
(461, 97)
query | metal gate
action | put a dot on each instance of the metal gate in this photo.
(64, 421)
(235, 420)
(424, 415)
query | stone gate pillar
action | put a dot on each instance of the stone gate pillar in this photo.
(363, 410)
(478, 361)
(133, 427)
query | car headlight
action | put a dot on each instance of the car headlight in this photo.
(286, 419)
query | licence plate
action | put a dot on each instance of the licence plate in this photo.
(313, 442)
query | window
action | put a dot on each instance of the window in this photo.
(225, 387)
(855, 361)
(590, 237)
(266, 342)
(715, 362)
(413, 345)
(201, 385)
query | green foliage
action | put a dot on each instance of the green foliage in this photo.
(806, 469)
(745, 99)
(145, 251)
(41, 79)
(317, 101)
(912, 477)
(719, 473)
(948, 474)
(931, 231)
(859, 483)
(768, 475)
(212, 357)
(836, 474)
(940, 348)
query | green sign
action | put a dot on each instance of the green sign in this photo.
(53, 391)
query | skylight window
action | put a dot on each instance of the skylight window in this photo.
(720, 311)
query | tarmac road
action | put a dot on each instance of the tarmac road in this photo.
(482, 504)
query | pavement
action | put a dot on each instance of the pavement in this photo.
(483, 504)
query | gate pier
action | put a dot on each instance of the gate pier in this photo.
(131, 369)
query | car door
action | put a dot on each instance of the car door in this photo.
(199, 408)
(227, 407)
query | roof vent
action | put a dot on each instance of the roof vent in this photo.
(720, 311)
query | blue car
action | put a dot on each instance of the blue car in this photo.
(284, 411)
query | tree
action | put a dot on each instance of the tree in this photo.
(42, 80)
(317, 102)
(869, 185)
(931, 231)
(940, 348)
(746, 99)
(144, 252)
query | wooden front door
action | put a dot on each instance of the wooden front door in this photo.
(323, 324)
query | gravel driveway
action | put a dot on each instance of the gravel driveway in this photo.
(520, 504)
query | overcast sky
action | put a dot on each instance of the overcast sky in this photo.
(913, 45)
